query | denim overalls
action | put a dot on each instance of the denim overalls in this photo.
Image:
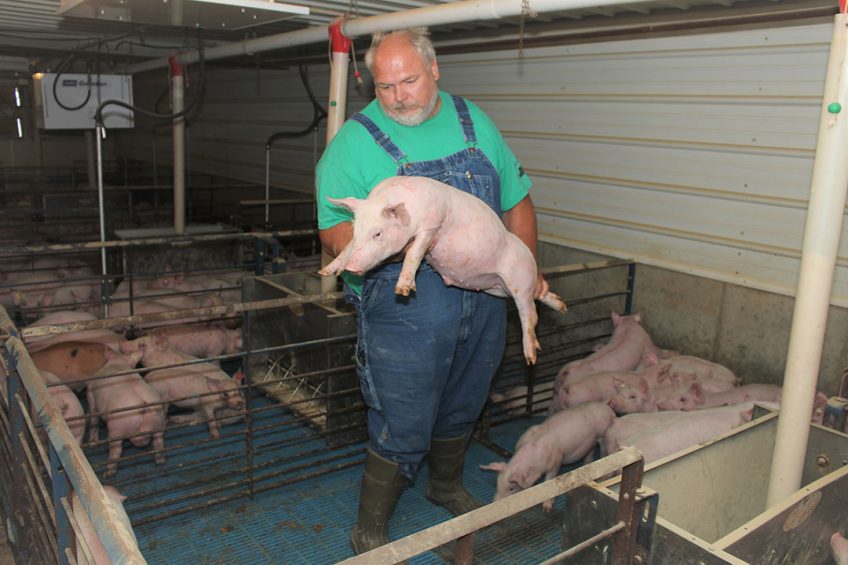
(425, 362)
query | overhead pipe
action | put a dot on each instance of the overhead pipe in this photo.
(177, 106)
(825, 217)
(451, 12)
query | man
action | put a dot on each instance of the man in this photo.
(425, 362)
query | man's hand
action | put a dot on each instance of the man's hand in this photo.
(336, 238)
(542, 286)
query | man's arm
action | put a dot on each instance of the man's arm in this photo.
(521, 220)
(336, 238)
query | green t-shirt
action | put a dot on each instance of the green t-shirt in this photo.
(354, 163)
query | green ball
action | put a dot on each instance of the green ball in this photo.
(834, 107)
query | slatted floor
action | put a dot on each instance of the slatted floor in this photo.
(307, 521)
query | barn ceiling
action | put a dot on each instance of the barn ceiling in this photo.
(42, 34)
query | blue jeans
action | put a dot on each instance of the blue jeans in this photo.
(425, 362)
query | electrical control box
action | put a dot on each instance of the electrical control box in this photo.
(71, 101)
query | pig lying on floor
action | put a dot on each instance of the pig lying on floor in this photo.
(659, 434)
(458, 234)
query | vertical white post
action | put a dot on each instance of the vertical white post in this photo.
(267, 186)
(825, 216)
(99, 133)
(177, 105)
(91, 170)
(340, 46)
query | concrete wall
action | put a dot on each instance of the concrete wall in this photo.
(744, 329)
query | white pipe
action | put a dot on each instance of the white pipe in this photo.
(91, 170)
(267, 186)
(336, 110)
(825, 217)
(99, 132)
(450, 12)
(177, 105)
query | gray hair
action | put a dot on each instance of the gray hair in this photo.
(419, 37)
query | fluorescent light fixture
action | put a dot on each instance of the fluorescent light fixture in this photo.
(20, 129)
(17, 97)
(267, 5)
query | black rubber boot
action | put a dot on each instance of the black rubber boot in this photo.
(447, 457)
(382, 486)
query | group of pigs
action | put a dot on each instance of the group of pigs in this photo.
(104, 365)
(102, 362)
(629, 392)
(34, 284)
(37, 285)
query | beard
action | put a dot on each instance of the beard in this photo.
(412, 114)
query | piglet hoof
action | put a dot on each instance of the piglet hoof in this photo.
(530, 349)
(404, 290)
(548, 506)
(110, 470)
(159, 458)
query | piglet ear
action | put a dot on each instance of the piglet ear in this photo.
(350, 203)
(650, 359)
(616, 318)
(398, 212)
(239, 376)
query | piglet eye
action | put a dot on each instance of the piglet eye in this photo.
(378, 235)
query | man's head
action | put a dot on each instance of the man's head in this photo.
(403, 64)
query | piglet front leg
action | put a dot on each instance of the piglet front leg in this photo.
(159, 448)
(412, 260)
(337, 265)
(551, 473)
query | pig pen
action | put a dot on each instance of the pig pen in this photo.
(136, 259)
(712, 501)
(281, 485)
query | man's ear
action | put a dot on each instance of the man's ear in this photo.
(434, 69)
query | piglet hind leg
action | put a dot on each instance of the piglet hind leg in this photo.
(553, 301)
(159, 448)
(529, 318)
(116, 448)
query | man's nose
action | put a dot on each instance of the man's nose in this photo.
(400, 94)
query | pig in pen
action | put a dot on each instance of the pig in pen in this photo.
(287, 466)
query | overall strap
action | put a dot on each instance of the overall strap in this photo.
(382, 139)
(465, 120)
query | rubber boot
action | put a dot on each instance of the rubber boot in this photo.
(447, 458)
(382, 486)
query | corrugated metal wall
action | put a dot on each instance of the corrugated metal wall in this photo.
(693, 153)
